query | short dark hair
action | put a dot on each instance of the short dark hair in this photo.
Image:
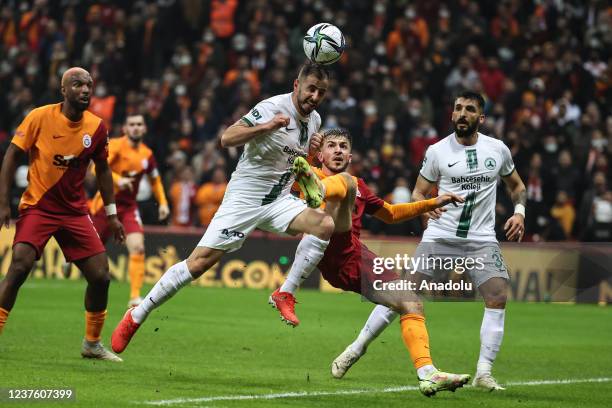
(337, 132)
(131, 115)
(474, 96)
(310, 68)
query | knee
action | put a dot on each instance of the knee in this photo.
(403, 308)
(21, 266)
(137, 250)
(496, 299)
(325, 229)
(101, 277)
(200, 262)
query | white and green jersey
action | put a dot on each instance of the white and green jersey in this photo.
(263, 172)
(470, 172)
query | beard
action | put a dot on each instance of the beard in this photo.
(337, 167)
(135, 139)
(80, 105)
(468, 131)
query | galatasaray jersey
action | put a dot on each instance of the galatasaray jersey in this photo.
(263, 172)
(471, 172)
(127, 161)
(59, 154)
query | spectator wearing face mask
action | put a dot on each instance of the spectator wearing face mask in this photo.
(597, 149)
(102, 104)
(563, 211)
(565, 175)
(595, 193)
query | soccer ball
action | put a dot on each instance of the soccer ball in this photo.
(324, 43)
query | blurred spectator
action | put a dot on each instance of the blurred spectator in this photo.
(563, 211)
(594, 218)
(182, 194)
(565, 175)
(401, 193)
(492, 78)
(103, 104)
(209, 196)
(462, 77)
(222, 17)
(535, 195)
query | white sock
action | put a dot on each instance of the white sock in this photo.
(379, 319)
(426, 371)
(174, 279)
(491, 336)
(307, 256)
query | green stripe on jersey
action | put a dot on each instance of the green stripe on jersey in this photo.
(466, 215)
(248, 122)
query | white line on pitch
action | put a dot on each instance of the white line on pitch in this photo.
(303, 394)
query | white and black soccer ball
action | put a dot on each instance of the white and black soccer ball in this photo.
(324, 43)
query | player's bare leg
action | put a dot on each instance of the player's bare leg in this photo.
(494, 291)
(95, 270)
(175, 278)
(22, 262)
(136, 266)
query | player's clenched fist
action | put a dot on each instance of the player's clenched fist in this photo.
(315, 142)
(278, 121)
(116, 229)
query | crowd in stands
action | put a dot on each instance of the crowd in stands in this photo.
(195, 67)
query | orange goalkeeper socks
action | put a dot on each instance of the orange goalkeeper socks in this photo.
(94, 322)
(136, 271)
(3, 316)
(416, 339)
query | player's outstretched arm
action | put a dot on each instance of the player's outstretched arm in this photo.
(515, 226)
(240, 133)
(105, 185)
(7, 174)
(395, 213)
(421, 190)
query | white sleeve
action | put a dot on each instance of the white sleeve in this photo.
(507, 166)
(429, 169)
(263, 112)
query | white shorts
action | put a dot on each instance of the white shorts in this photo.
(233, 222)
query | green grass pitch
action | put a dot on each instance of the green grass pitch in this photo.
(228, 342)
